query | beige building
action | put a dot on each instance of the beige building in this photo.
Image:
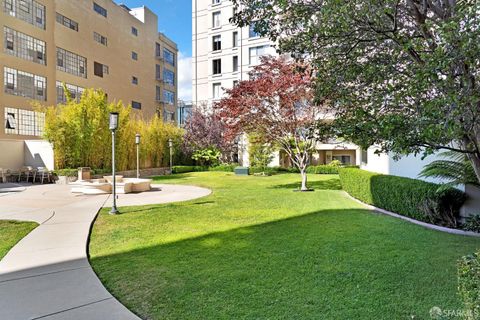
(83, 44)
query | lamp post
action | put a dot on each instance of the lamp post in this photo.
(113, 128)
(137, 142)
(170, 145)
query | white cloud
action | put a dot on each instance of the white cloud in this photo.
(184, 77)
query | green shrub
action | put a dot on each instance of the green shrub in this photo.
(185, 169)
(323, 169)
(224, 167)
(472, 223)
(469, 285)
(409, 197)
(221, 168)
(66, 172)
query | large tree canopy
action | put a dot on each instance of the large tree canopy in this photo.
(404, 74)
(276, 103)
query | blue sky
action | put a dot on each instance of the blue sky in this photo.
(175, 21)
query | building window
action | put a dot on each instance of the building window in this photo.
(158, 93)
(134, 56)
(23, 46)
(217, 88)
(235, 39)
(134, 80)
(135, 31)
(69, 23)
(168, 116)
(136, 105)
(100, 69)
(24, 84)
(100, 10)
(216, 1)
(169, 77)
(73, 92)
(217, 66)
(158, 50)
(346, 160)
(235, 63)
(29, 11)
(168, 97)
(217, 43)
(99, 38)
(158, 72)
(364, 156)
(24, 122)
(216, 23)
(72, 63)
(251, 31)
(169, 56)
(256, 53)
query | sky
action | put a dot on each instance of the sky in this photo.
(175, 21)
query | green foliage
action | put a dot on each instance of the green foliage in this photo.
(409, 197)
(469, 285)
(456, 169)
(260, 151)
(207, 157)
(79, 132)
(219, 168)
(472, 223)
(66, 172)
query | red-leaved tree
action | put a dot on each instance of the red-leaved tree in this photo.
(205, 130)
(278, 103)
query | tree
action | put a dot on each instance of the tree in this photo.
(276, 103)
(79, 133)
(260, 151)
(204, 131)
(404, 74)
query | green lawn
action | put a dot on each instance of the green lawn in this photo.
(11, 232)
(255, 249)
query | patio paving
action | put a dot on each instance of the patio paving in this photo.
(47, 274)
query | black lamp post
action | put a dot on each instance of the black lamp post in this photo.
(113, 128)
(137, 142)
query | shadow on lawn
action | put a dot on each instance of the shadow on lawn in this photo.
(330, 184)
(322, 263)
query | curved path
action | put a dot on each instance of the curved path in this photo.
(47, 274)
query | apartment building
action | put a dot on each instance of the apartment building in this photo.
(82, 44)
(222, 54)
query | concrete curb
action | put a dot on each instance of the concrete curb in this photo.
(419, 223)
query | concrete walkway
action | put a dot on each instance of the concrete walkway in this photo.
(47, 274)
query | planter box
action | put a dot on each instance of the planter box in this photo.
(63, 180)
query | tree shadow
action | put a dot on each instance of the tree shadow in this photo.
(330, 184)
(324, 262)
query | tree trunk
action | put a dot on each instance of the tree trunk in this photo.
(475, 159)
(304, 180)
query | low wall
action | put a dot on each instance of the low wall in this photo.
(143, 173)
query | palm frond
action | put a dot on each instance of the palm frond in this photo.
(456, 170)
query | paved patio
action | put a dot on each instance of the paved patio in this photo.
(47, 274)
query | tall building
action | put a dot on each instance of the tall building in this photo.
(222, 54)
(82, 44)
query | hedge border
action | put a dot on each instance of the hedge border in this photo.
(417, 222)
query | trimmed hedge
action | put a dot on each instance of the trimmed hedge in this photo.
(222, 168)
(413, 198)
(326, 169)
(469, 284)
